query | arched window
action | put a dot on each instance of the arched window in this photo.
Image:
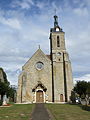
(58, 41)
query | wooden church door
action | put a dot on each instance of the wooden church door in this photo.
(39, 96)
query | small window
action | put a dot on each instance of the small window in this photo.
(58, 41)
(58, 59)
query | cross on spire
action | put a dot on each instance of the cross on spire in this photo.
(55, 20)
(39, 46)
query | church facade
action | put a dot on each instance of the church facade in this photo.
(47, 78)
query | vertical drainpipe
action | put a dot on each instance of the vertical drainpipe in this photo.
(52, 70)
(65, 82)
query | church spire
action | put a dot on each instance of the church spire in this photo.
(56, 28)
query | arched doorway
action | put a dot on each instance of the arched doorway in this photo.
(39, 92)
(39, 96)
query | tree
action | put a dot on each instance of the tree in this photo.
(73, 97)
(5, 87)
(4, 76)
(11, 93)
(88, 89)
(81, 88)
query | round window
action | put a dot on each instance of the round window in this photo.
(39, 65)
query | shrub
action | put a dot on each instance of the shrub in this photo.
(85, 107)
(0, 102)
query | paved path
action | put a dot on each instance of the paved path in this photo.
(40, 112)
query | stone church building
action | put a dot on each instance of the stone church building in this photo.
(47, 78)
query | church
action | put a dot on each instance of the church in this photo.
(47, 78)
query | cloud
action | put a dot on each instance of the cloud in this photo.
(76, 1)
(40, 4)
(23, 4)
(87, 2)
(15, 73)
(27, 24)
(81, 11)
(11, 22)
(85, 77)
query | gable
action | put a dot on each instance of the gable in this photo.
(37, 56)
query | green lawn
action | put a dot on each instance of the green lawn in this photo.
(16, 112)
(68, 112)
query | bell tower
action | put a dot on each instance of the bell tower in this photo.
(61, 66)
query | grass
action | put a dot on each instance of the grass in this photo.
(68, 112)
(16, 112)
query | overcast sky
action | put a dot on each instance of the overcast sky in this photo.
(25, 24)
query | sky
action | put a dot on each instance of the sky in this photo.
(25, 24)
